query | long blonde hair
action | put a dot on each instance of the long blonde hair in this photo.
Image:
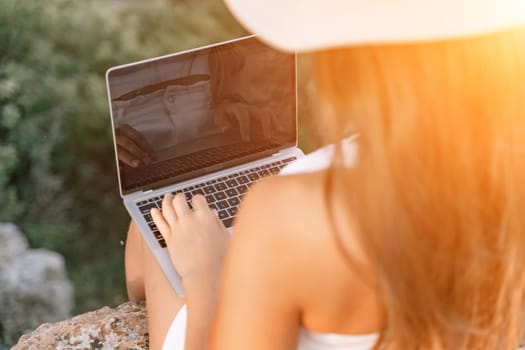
(439, 186)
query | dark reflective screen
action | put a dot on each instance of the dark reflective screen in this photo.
(188, 114)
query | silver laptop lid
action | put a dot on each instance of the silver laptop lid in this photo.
(187, 114)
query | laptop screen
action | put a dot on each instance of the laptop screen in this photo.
(188, 114)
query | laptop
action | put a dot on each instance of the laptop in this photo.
(211, 121)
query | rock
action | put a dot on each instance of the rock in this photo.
(124, 327)
(33, 286)
(12, 243)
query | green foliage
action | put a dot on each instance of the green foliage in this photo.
(57, 168)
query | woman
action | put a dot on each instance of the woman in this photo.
(420, 243)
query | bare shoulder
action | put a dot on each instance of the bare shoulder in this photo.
(282, 206)
(284, 221)
(285, 198)
(285, 233)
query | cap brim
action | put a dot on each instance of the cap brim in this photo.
(308, 25)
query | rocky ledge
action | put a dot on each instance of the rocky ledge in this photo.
(124, 327)
(34, 287)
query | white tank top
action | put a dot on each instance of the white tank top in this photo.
(307, 340)
(330, 341)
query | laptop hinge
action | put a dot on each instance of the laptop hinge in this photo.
(281, 151)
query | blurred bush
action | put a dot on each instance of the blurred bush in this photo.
(57, 168)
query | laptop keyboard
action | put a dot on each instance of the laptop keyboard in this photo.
(223, 194)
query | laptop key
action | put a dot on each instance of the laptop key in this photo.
(208, 189)
(227, 222)
(253, 176)
(220, 186)
(274, 170)
(152, 226)
(220, 196)
(162, 243)
(264, 173)
(242, 188)
(232, 211)
(231, 192)
(234, 201)
(223, 214)
(243, 180)
(198, 191)
(288, 160)
(222, 204)
(210, 199)
(232, 183)
(145, 209)
(148, 218)
(158, 235)
(214, 206)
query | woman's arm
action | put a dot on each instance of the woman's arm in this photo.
(258, 307)
(146, 280)
(196, 241)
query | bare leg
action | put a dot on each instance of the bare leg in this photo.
(144, 278)
(134, 264)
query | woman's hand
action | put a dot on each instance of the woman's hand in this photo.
(196, 240)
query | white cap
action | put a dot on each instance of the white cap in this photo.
(305, 25)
